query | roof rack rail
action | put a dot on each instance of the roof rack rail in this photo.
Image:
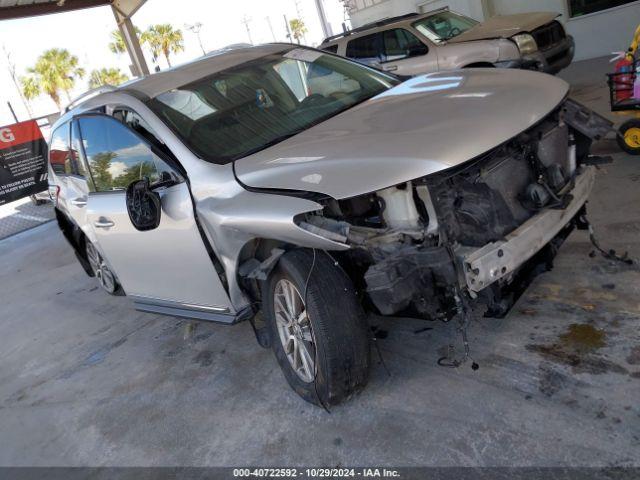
(381, 23)
(88, 94)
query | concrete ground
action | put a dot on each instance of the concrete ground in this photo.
(21, 215)
(86, 380)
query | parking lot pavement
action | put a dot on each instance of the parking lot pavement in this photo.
(21, 215)
(86, 380)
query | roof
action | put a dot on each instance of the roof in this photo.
(211, 63)
(176, 77)
(381, 23)
(11, 9)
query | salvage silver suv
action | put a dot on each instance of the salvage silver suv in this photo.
(297, 183)
(416, 43)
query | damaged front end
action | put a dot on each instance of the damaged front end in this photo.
(483, 228)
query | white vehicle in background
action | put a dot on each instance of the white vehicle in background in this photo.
(416, 43)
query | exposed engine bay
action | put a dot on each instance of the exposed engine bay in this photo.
(484, 227)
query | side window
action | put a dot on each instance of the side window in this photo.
(117, 157)
(365, 49)
(400, 43)
(136, 123)
(59, 157)
(76, 153)
(331, 48)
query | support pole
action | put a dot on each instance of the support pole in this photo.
(131, 41)
(286, 25)
(326, 28)
(15, 117)
(487, 9)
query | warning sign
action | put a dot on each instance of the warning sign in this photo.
(23, 163)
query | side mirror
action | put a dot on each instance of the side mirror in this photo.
(143, 205)
(417, 50)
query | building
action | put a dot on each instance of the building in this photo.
(599, 27)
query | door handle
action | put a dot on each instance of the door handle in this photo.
(103, 223)
(79, 202)
(390, 68)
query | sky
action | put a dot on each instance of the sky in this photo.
(86, 34)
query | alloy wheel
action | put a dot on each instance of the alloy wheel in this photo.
(100, 269)
(294, 329)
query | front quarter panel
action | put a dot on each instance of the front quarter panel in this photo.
(458, 55)
(232, 217)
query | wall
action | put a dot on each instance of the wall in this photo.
(596, 35)
(390, 8)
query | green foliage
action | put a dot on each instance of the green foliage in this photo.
(117, 45)
(100, 164)
(55, 70)
(106, 76)
(163, 39)
(134, 173)
(30, 87)
(298, 28)
(105, 181)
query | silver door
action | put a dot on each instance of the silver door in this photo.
(169, 263)
(168, 269)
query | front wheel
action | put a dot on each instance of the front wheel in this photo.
(318, 328)
(629, 137)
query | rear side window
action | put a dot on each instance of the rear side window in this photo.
(365, 49)
(116, 156)
(331, 48)
(400, 43)
(59, 157)
(76, 154)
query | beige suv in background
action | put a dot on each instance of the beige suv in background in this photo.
(416, 43)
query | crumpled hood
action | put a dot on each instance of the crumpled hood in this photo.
(505, 26)
(422, 126)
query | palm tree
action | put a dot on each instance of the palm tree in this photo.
(298, 28)
(56, 69)
(30, 90)
(163, 39)
(117, 45)
(106, 76)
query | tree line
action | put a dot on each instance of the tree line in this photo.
(56, 70)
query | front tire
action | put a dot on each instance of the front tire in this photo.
(36, 201)
(320, 341)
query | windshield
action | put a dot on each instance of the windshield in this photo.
(247, 108)
(444, 25)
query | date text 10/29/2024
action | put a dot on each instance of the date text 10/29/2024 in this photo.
(315, 473)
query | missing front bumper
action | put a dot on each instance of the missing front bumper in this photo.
(500, 259)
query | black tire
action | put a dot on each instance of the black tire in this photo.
(338, 325)
(623, 143)
(36, 201)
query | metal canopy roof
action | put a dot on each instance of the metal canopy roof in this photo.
(10, 9)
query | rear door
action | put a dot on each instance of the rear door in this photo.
(78, 182)
(168, 269)
(366, 49)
